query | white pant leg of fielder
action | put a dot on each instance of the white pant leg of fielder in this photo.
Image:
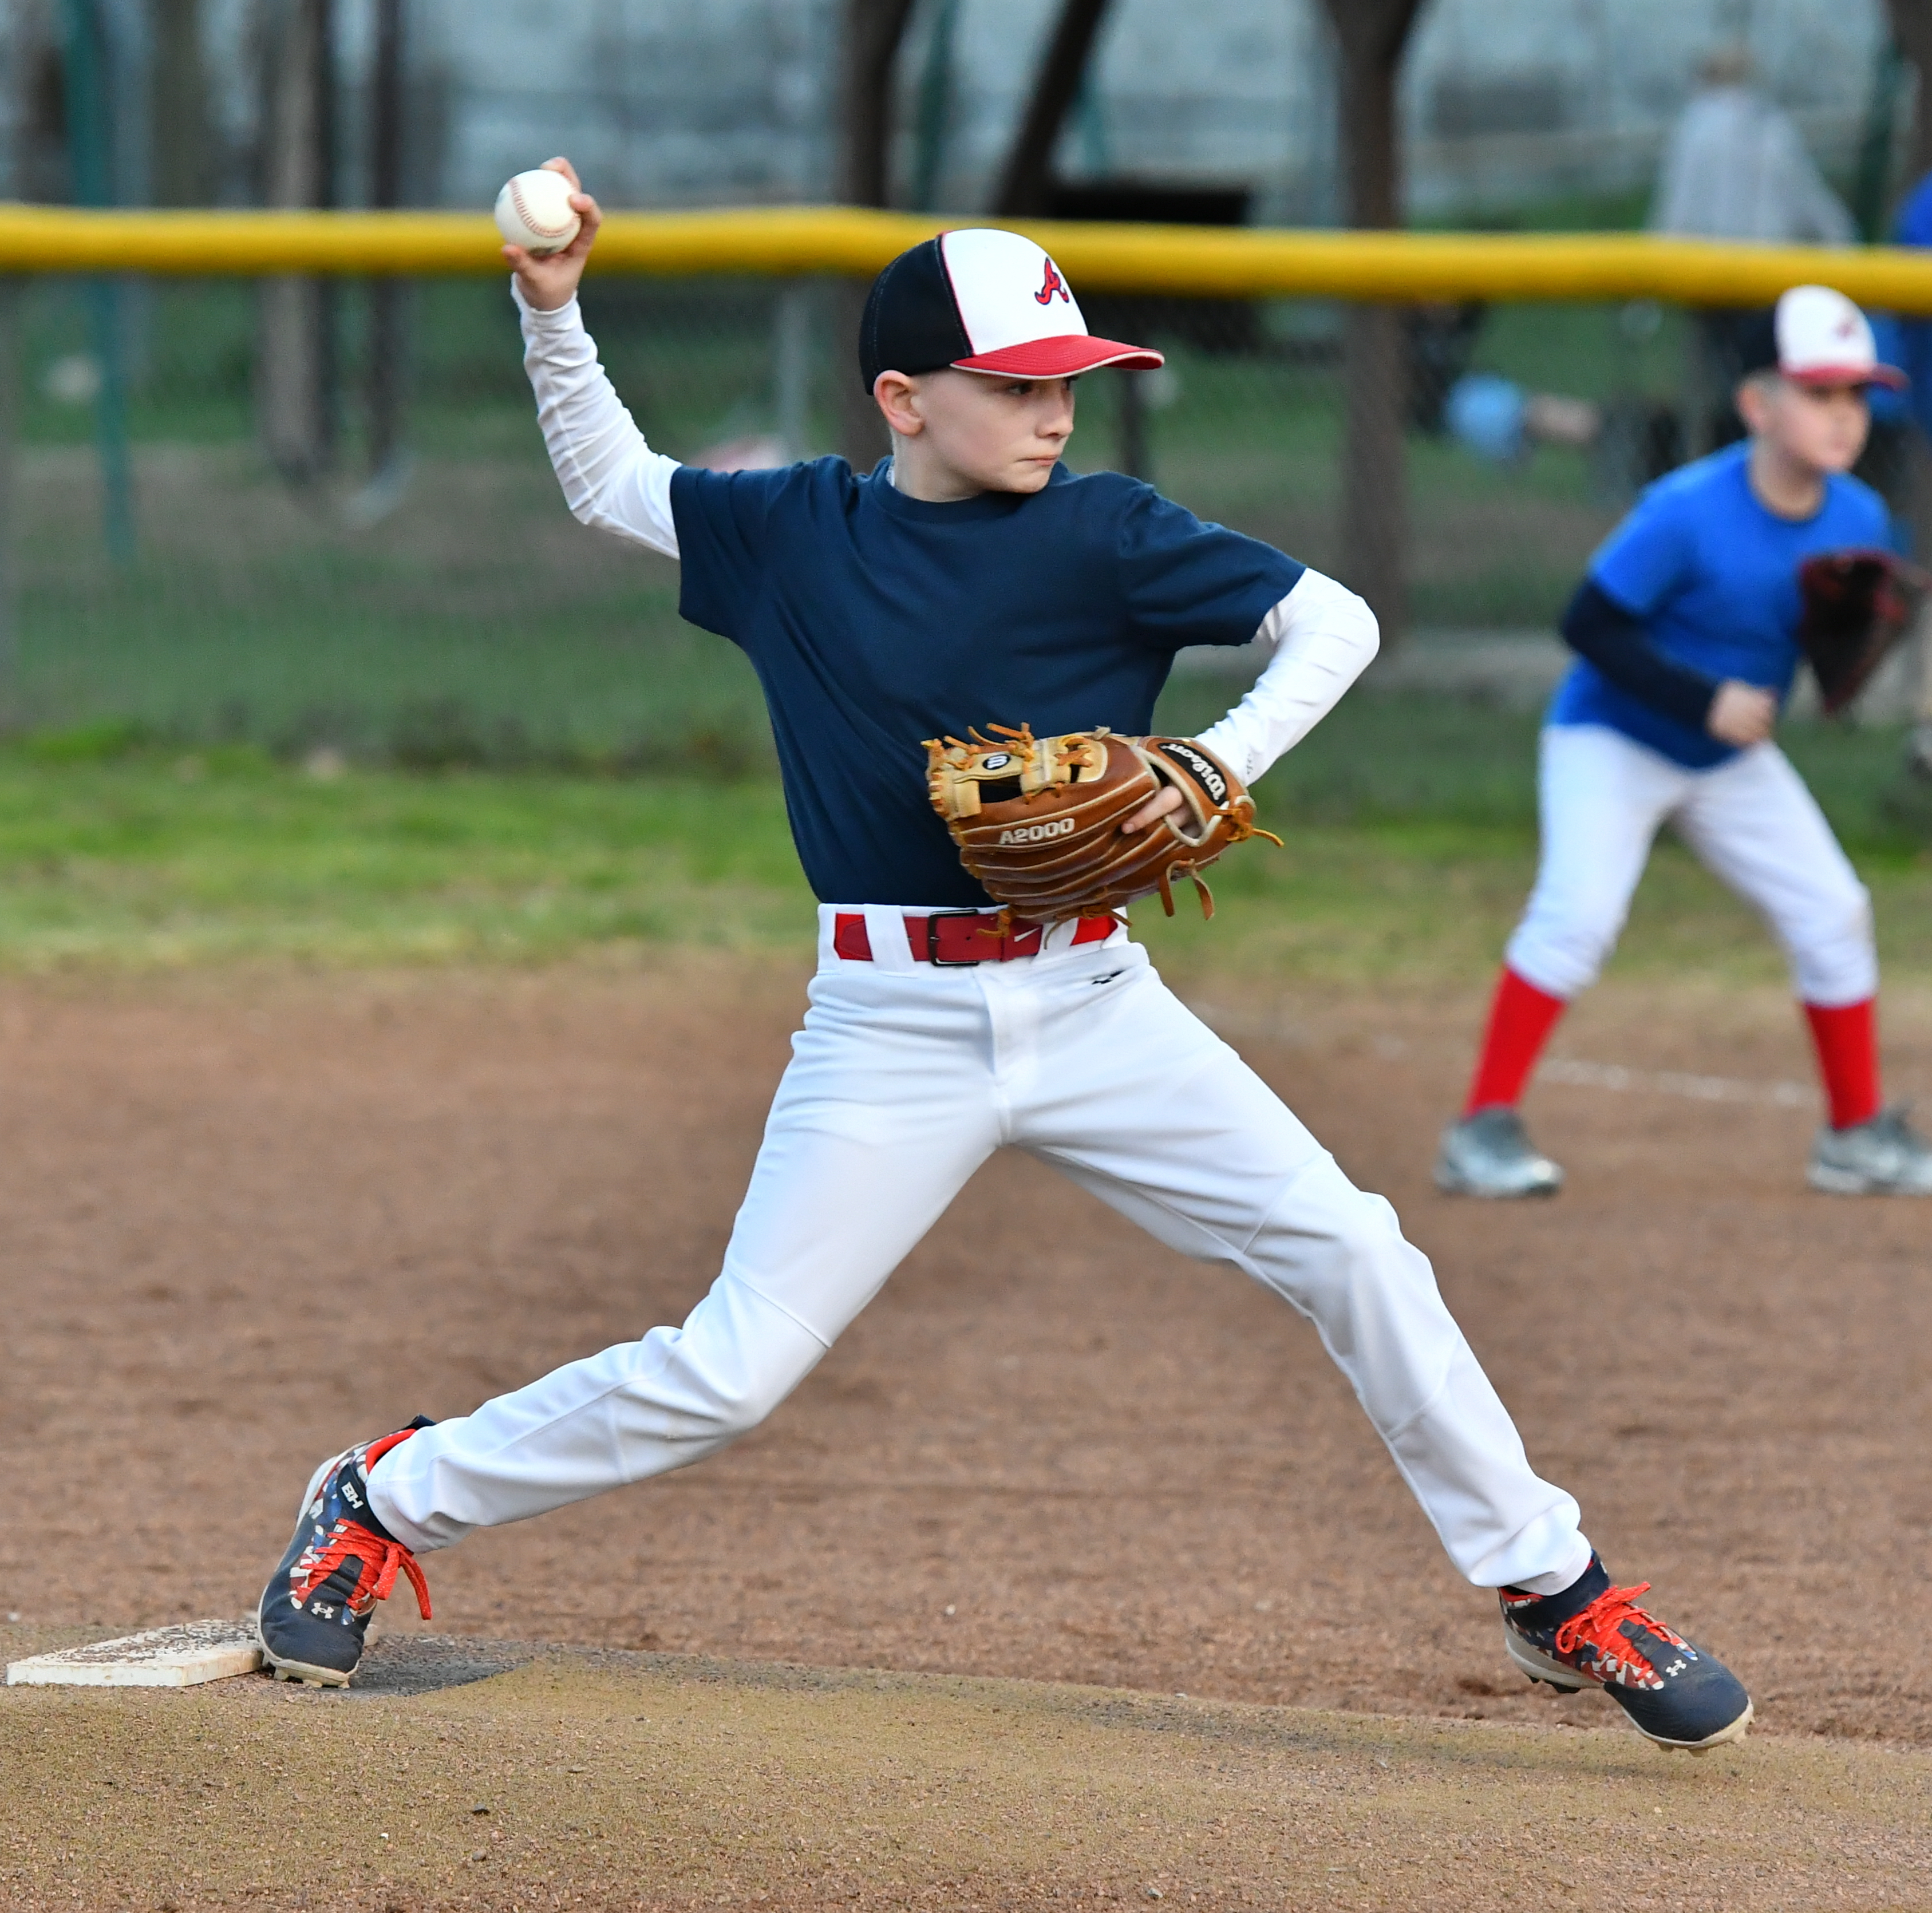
(1756, 826)
(1118, 1084)
(1600, 799)
(884, 1112)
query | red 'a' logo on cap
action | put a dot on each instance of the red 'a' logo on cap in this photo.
(1052, 284)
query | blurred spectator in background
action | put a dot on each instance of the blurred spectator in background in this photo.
(1907, 343)
(1497, 420)
(1735, 168)
(1442, 337)
(1501, 422)
(1910, 340)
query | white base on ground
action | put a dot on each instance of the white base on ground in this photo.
(1575, 1071)
(182, 1656)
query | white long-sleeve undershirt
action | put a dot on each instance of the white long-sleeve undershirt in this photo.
(1321, 636)
(611, 478)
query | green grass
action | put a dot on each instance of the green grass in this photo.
(149, 860)
(1410, 830)
(477, 624)
(395, 660)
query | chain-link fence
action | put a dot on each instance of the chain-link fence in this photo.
(447, 609)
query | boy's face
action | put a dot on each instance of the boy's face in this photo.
(1822, 428)
(995, 434)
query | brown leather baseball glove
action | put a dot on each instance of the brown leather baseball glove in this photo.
(1038, 820)
(1857, 604)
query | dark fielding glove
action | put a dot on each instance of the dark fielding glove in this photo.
(1037, 819)
(1856, 605)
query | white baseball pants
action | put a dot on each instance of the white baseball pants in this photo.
(1603, 798)
(903, 1079)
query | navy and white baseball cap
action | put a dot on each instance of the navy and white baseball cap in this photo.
(982, 301)
(1817, 336)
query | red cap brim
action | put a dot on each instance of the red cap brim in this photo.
(1062, 358)
(1887, 376)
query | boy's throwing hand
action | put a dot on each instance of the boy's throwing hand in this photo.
(548, 280)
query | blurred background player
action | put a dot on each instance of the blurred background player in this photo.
(1685, 628)
(1909, 343)
(1735, 167)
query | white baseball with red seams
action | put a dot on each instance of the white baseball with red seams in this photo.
(533, 211)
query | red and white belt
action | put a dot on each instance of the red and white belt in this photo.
(953, 939)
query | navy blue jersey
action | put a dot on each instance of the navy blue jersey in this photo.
(1714, 575)
(875, 621)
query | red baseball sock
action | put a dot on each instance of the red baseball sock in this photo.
(1521, 1017)
(1847, 1044)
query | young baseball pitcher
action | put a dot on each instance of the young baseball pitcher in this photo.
(972, 580)
(1686, 628)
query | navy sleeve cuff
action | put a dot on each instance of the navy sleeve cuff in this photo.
(1598, 627)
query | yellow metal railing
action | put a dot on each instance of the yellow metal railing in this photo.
(1214, 261)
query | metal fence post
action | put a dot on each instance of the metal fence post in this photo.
(88, 138)
(791, 366)
(873, 29)
(296, 341)
(390, 302)
(1372, 35)
(1132, 453)
(10, 493)
(1375, 490)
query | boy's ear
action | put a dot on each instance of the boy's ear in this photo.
(896, 394)
(1752, 399)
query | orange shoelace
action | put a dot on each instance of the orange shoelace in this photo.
(380, 1562)
(1600, 1625)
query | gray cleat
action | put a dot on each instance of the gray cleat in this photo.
(1886, 1156)
(1488, 1154)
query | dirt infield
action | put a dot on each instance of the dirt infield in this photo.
(593, 1780)
(243, 1220)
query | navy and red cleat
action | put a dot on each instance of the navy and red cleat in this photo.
(314, 1614)
(1593, 1635)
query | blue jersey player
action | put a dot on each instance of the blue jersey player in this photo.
(1686, 632)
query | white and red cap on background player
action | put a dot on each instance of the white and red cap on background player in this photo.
(982, 300)
(1817, 336)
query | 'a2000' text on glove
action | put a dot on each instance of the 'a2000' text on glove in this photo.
(1037, 819)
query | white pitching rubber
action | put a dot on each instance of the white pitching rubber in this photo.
(182, 1657)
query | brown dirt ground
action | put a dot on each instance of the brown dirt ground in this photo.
(591, 1779)
(243, 1220)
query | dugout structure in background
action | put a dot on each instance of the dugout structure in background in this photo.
(258, 612)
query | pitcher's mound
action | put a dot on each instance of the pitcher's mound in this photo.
(497, 1774)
